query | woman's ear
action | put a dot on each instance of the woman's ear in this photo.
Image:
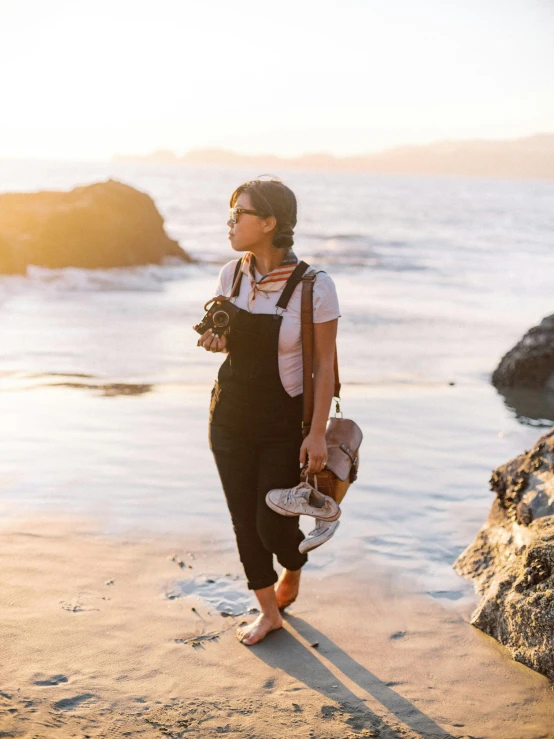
(269, 224)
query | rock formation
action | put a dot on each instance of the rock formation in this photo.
(512, 559)
(525, 376)
(530, 364)
(107, 224)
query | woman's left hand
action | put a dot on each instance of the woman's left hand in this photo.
(314, 449)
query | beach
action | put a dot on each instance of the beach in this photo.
(122, 588)
(403, 153)
(100, 639)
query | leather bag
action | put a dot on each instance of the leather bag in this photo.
(342, 436)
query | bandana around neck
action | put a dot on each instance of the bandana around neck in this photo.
(273, 281)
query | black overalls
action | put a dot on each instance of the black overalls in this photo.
(255, 435)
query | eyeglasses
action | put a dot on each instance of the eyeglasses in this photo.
(235, 212)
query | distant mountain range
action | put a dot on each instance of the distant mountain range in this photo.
(532, 156)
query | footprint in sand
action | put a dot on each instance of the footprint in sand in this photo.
(68, 704)
(197, 640)
(54, 680)
(329, 711)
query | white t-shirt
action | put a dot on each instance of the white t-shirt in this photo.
(326, 308)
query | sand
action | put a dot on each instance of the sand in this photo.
(105, 636)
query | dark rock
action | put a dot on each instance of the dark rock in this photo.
(530, 363)
(106, 224)
(524, 513)
(525, 375)
(512, 559)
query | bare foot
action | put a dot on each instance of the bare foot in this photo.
(258, 629)
(286, 589)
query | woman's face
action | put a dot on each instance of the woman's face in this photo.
(249, 229)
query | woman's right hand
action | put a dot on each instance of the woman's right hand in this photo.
(212, 342)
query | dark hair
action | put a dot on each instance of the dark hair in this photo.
(272, 198)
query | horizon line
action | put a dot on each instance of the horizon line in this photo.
(283, 157)
(326, 153)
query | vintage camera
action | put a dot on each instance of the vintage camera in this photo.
(219, 316)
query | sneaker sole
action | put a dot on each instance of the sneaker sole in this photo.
(311, 546)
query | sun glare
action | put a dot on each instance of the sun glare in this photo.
(91, 81)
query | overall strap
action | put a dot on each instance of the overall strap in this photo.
(292, 282)
(307, 317)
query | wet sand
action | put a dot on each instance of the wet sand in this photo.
(112, 636)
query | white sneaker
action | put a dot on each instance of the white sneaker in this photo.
(303, 500)
(323, 531)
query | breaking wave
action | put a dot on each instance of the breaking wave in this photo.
(146, 278)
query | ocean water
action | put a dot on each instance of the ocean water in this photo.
(104, 394)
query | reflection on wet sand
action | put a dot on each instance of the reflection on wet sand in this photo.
(110, 389)
(531, 407)
(75, 380)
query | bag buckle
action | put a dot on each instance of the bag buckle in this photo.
(348, 452)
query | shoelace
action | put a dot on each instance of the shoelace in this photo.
(320, 526)
(293, 494)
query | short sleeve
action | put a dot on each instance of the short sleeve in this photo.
(219, 285)
(225, 278)
(326, 302)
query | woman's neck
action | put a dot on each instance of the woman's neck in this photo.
(266, 261)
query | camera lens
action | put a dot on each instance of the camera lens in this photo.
(220, 318)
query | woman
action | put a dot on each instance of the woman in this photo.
(256, 407)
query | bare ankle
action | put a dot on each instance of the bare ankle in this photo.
(272, 613)
(291, 574)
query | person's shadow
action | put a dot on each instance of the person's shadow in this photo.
(285, 652)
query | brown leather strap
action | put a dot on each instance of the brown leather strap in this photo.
(307, 323)
(337, 380)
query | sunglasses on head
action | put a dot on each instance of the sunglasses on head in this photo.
(235, 212)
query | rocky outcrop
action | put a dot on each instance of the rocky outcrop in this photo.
(107, 224)
(530, 364)
(525, 376)
(512, 559)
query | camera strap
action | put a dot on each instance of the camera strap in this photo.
(236, 279)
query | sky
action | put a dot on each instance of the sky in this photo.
(85, 80)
